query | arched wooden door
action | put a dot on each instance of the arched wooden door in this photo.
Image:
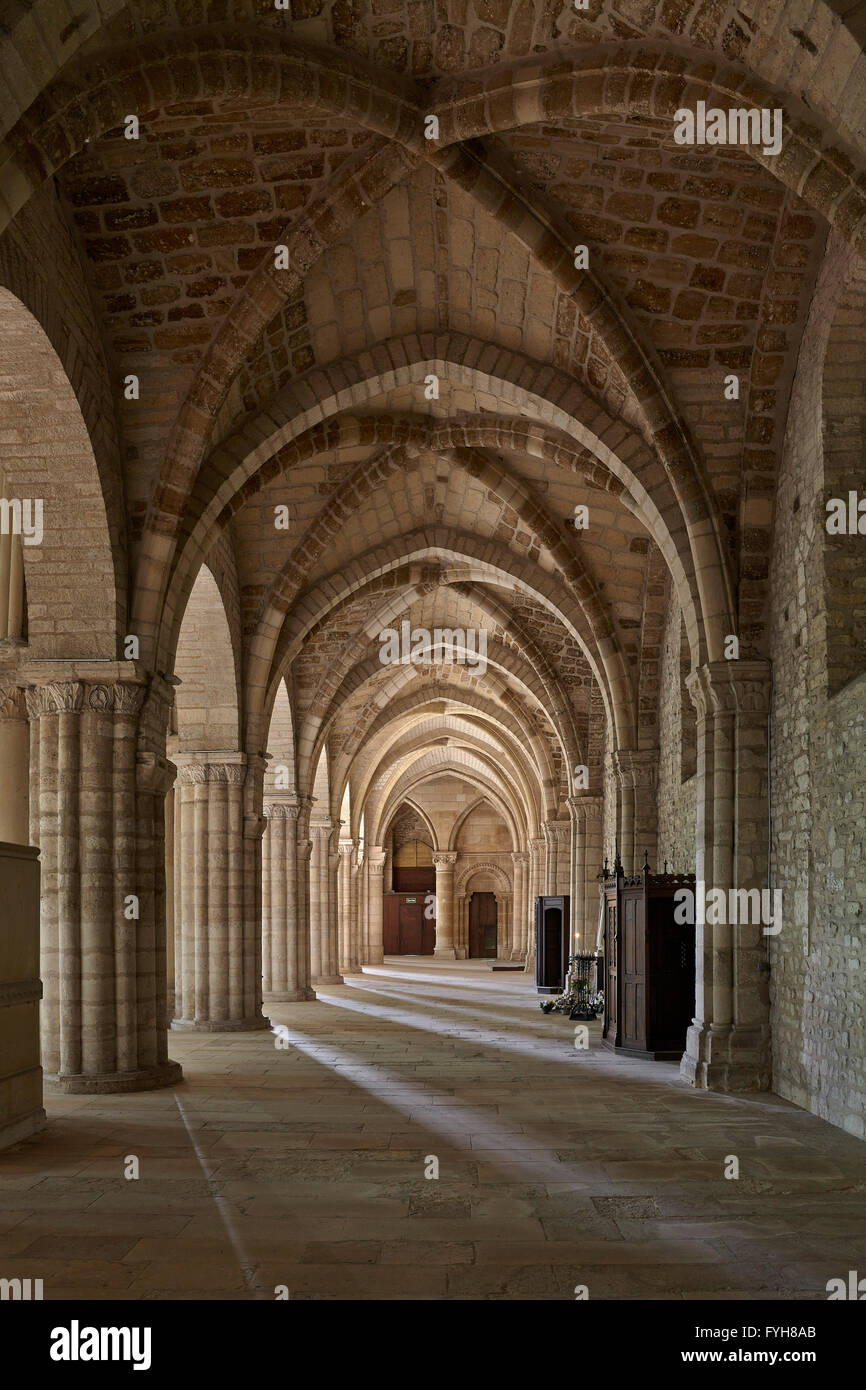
(482, 926)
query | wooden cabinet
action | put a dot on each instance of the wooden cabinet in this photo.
(552, 932)
(649, 996)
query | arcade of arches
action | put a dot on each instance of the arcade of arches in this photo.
(285, 375)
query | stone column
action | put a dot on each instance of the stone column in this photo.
(11, 579)
(348, 950)
(363, 889)
(323, 935)
(355, 905)
(537, 861)
(575, 891)
(637, 774)
(560, 831)
(727, 1046)
(520, 860)
(21, 1109)
(591, 810)
(388, 879)
(99, 779)
(625, 809)
(285, 954)
(443, 862)
(504, 926)
(218, 912)
(551, 846)
(461, 944)
(14, 764)
(375, 873)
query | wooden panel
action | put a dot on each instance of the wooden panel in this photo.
(414, 879)
(482, 926)
(411, 927)
(391, 924)
(634, 1021)
(551, 943)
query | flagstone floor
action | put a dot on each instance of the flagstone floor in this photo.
(304, 1166)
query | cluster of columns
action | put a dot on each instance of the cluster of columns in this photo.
(268, 900)
(636, 772)
(286, 853)
(98, 781)
(217, 893)
(727, 1047)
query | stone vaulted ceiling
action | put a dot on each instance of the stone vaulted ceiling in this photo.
(305, 385)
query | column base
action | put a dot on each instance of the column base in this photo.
(322, 980)
(722, 1057)
(108, 1083)
(225, 1025)
(297, 996)
(444, 954)
(22, 1128)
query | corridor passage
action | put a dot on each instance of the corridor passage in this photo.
(303, 1165)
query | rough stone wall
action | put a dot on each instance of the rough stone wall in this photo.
(409, 826)
(818, 774)
(676, 797)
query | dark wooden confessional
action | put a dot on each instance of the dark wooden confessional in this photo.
(552, 933)
(649, 988)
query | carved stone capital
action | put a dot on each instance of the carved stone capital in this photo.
(117, 698)
(445, 859)
(12, 703)
(556, 831)
(730, 687)
(55, 697)
(198, 768)
(281, 810)
(636, 767)
(376, 859)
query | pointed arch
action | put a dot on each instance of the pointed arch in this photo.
(207, 710)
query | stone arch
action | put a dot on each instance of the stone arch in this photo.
(38, 406)
(206, 712)
(464, 817)
(436, 763)
(469, 557)
(465, 875)
(552, 398)
(280, 772)
(419, 811)
(513, 732)
(321, 785)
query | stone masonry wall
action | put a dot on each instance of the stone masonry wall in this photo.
(676, 798)
(818, 773)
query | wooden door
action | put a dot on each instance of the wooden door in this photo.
(411, 926)
(482, 926)
(633, 964)
(611, 956)
(391, 924)
(671, 1002)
